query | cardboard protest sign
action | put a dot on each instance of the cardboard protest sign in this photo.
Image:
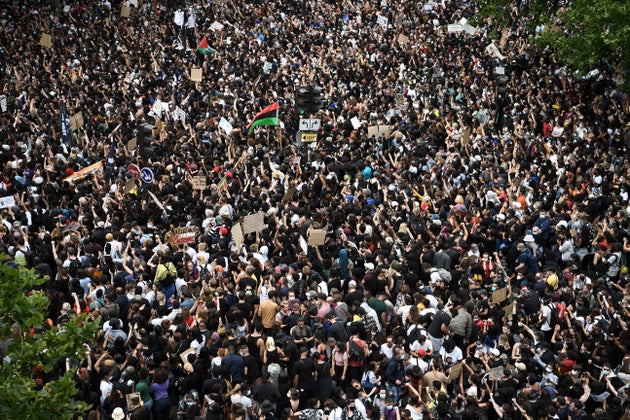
(254, 223)
(222, 186)
(199, 183)
(508, 311)
(316, 237)
(403, 39)
(372, 131)
(45, 41)
(495, 373)
(217, 26)
(237, 234)
(85, 172)
(130, 185)
(184, 235)
(125, 11)
(196, 75)
(499, 296)
(289, 195)
(132, 144)
(76, 121)
(384, 130)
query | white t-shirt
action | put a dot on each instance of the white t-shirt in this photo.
(455, 356)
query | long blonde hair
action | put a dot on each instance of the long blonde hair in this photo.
(270, 344)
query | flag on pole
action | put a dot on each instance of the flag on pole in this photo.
(268, 116)
(66, 127)
(204, 48)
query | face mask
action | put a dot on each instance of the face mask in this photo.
(494, 289)
(390, 407)
(189, 403)
(548, 370)
(248, 293)
(382, 396)
(288, 395)
(574, 372)
(605, 371)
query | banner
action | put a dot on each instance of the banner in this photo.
(85, 172)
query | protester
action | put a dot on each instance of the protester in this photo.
(470, 196)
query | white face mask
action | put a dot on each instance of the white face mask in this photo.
(382, 396)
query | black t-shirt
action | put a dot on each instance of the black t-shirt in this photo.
(435, 327)
(304, 369)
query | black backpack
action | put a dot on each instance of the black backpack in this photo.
(555, 315)
(356, 353)
(75, 266)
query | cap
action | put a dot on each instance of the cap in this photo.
(495, 352)
(118, 413)
(528, 238)
(312, 294)
(352, 284)
(422, 352)
(368, 266)
(520, 366)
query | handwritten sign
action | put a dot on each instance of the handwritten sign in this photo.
(499, 295)
(222, 186)
(455, 28)
(254, 223)
(184, 235)
(217, 26)
(199, 183)
(7, 201)
(495, 373)
(316, 237)
(382, 20)
(85, 172)
(125, 11)
(196, 75)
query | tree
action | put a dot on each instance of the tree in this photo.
(585, 34)
(29, 347)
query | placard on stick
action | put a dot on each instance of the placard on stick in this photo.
(46, 41)
(125, 11)
(499, 295)
(196, 75)
(222, 186)
(199, 183)
(254, 223)
(316, 237)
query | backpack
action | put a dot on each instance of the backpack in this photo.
(555, 315)
(356, 353)
(204, 274)
(445, 275)
(75, 266)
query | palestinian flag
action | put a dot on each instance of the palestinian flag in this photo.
(268, 116)
(204, 48)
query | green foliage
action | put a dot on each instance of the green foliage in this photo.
(581, 32)
(21, 309)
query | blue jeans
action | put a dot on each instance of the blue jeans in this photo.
(394, 391)
(161, 409)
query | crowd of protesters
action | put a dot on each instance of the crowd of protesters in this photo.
(474, 263)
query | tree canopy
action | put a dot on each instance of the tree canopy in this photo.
(585, 34)
(33, 375)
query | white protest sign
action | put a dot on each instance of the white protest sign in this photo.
(499, 70)
(355, 122)
(179, 115)
(455, 27)
(494, 51)
(179, 18)
(382, 20)
(216, 26)
(469, 29)
(7, 201)
(3, 103)
(226, 126)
